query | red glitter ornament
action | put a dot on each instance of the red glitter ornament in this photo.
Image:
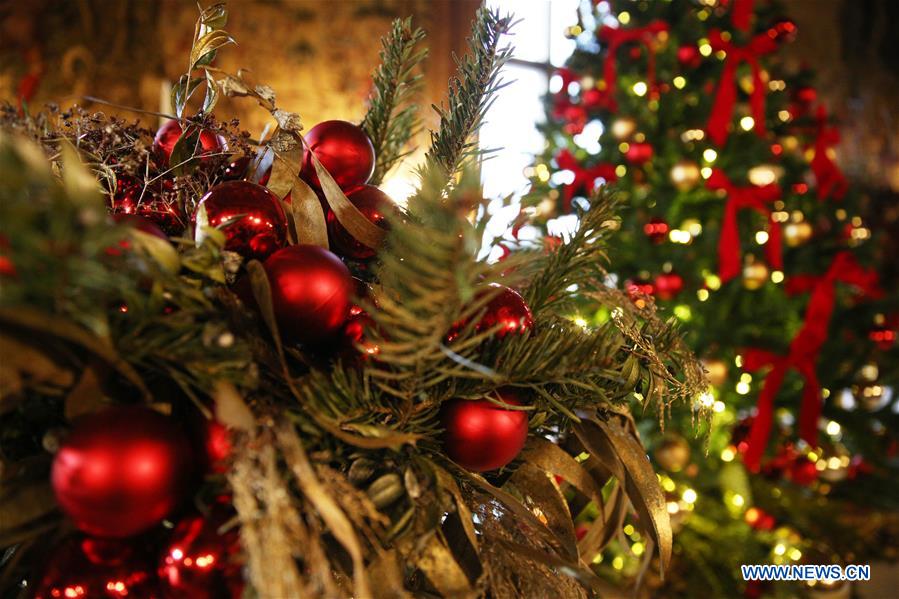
(508, 309)
(199, 561)
(656, 229)
(121, 471)
(133, 197)
(344, 150)
(668, 285)
(85, 568)
(250, 216)
(311, 291)
(639, 153)
(480, 435)
(374, 204)
(688, 55)
(167, 136)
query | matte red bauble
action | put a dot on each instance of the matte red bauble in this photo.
(199, 562)
(121, 471)
(639, 153)
(167, 136)
(479, 435)
(132, 197)
(508, 309)
(250, 216)
(668, 285)
(688, 55)
(374, 204)
(344, 150)
(88, 568)
(656, 229)
(311, 290)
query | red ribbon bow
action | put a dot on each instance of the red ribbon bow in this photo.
(756, 198)
(584, 177)
(803, 354)
(723, 109)
(829, 177)
(740, 13)
(614, 38)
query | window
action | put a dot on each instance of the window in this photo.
(540, 46)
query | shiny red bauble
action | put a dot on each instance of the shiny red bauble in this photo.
(121, 471)
(480, 435)
(250, 216)
(375, 205)
(132, 196)
(140, 223)
(344, 150)
(200, 562)
(85, 568)
(311, 290)
(356, 341)
(656, 229)
(507, 309)
(688, 55)
(668, 285)
(639, 153)
(803, 472)
(167, 136)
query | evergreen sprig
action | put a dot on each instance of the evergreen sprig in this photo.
(470, 95)
(392, 119)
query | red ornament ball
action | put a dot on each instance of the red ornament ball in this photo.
(375, 205)
(356, 341)
(344, 150)
(121, 471)
(638, 286)
(133, 197)
(167, 136)
(85, 568)
(806, 95)
(140, 223)
(656, 229)
(200, 562)
(250, 216)
(688, 55)
(668, 285)
(479, 435)
(803, 472)
(883, 337)
(639, 153)
(507, 308)
(311, 290)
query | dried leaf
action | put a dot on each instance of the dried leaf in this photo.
(87, 396)
(22, 504)
(441, 568)
(446, 482)
(554, 459)
(207, 44)
(212, 93)
(182, 160)
(160, 250)
(262, 292)
(533, 484)
(47, 324)
(604, 528)
(347, 214)
(308, 215)
(230, 408)
(23, 363)
(563, 566)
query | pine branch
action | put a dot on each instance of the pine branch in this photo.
(470, 95)
(391, 121)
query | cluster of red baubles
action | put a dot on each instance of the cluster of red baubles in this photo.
(118, 474)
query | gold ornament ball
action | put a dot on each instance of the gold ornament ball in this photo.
(836, 463)
(868, 396)
(716, 371)
(755, 275)
(685, 175)
(673, 453)
(795, 234)
(623, 128)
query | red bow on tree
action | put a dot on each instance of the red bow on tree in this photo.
(723, 108)
(614, 38)
(584, 177)
(740, 13)
(829, 177)
(803, 354)
(738, 198)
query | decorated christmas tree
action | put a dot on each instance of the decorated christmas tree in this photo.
(737, 220)
(234, 367)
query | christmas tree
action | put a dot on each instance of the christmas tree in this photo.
(737, 220)
(233, 367)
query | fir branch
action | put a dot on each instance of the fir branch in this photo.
(391, 120)
(470, 95)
